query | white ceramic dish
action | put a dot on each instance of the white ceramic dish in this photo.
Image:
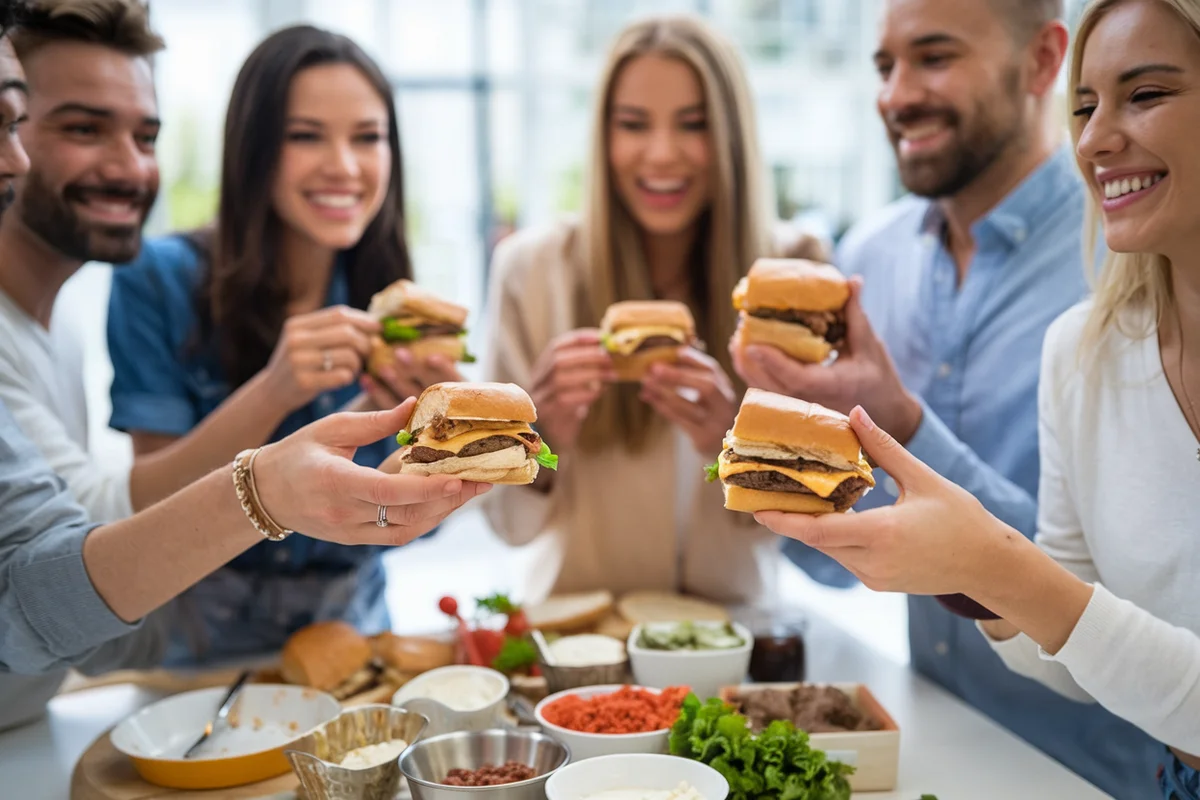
(703, 671)
(480, 716)
(265, 719)
(581, 779)
(592, 745)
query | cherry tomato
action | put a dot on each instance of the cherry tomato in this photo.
(518, 624)
(448, 606)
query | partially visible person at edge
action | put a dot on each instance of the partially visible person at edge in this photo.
(243, 333)
(1103, 608)
(674, 210)
(955, 288)
(40, 363)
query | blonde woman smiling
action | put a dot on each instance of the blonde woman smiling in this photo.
(674, 211)
(1106, 610)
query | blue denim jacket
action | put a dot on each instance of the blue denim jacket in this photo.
(163, 382)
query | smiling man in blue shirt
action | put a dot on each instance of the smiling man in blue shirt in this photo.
(957, 285)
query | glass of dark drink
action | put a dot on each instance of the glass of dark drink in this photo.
(778, 654)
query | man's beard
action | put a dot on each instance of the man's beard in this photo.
(52, 217)
(948, 172)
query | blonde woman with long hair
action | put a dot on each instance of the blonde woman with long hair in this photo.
(1107, 609)
(674, 210)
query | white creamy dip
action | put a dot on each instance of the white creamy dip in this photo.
(587, 650)
(372, 755)
(458, 691)
(683, 791)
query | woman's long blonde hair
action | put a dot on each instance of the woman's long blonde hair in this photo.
(1126, 285)
(734, 230)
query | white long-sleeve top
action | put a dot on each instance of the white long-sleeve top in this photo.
(1119, 506)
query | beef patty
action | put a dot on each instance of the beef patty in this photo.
(844, 496)
(657, 341)
(492, 444)
(829, 325)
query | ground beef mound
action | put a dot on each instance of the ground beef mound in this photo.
(816, 709)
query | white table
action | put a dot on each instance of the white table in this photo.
(946, 748)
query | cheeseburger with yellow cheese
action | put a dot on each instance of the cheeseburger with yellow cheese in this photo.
(784, 454)
(474, 431)
(423, 323)
(638, 333)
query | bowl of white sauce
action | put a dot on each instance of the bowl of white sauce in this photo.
(456, 698)
(584, 660)
(637, 776)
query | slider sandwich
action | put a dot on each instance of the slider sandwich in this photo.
(415, 319)
(794, 305)
(784, 454)
(638, 333)
(474, 431)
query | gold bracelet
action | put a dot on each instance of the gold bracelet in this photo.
(247, 494)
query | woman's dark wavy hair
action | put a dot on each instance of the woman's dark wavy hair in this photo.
(243, 296)
(12, 14)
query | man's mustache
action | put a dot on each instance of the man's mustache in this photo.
(912, 115)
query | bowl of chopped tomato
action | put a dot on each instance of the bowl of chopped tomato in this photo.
(609, 720)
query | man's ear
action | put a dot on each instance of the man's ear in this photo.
(1047, 51)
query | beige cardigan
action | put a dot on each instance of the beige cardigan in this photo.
(609, 521)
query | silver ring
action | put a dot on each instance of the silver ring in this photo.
(382, 520)
(326, 361)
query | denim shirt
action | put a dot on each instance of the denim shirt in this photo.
(972, 354)
(164, 384)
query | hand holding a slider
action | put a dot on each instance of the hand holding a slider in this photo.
(782, 349)
(418, 341)
(318, 352)
(937, 539)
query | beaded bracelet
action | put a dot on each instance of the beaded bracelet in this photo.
(247, 494)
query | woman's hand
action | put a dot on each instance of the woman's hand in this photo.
(318, 352)
(407, 377)
(567, 379)
(309, 483)
(695, 394)
(936, 539)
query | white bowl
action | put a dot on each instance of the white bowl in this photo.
(580, 779)
(590, 745)
(444, 717)
(703, 671)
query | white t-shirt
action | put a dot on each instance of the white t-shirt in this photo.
(1119, 506)
(41, 382)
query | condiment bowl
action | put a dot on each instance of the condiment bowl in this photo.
(316, 759)
(591, 745)
(560, 679)
(583, 779)
(265, 720)
(431, 694)
(426, 764)
(705, 671)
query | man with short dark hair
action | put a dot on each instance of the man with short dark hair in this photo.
(961, 280)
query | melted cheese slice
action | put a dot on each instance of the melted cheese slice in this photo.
(822, 484)
(457, 443)
(625, 342)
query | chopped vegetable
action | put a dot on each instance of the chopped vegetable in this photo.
(518, 624)
(448, 605)
(516, 653)
(468, 358)
(776, 764)
(545, 458)
(712, 471)
(689, 636)
(606, 342)
(393, 332)
(628, 710)
(404, 438)
(497, 604)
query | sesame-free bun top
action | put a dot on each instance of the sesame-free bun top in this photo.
(805, 428)
(493, 401)
(404, 298)
(324, 654)
(642, 313)
(791, 283)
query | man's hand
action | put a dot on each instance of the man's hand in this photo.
(863, 374)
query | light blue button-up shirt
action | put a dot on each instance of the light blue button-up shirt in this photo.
(972, 352)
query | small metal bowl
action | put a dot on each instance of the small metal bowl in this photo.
(316, 758)
(425, 764)
(559, 679)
